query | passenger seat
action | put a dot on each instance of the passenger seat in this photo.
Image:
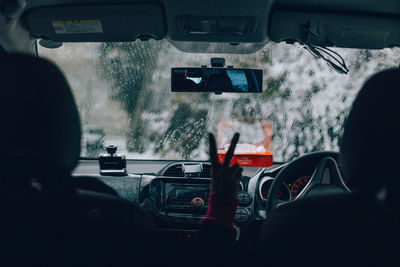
(45, 220)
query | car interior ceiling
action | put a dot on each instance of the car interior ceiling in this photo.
(84, 217)
(274, 20)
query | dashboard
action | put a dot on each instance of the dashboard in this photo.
(177, 196)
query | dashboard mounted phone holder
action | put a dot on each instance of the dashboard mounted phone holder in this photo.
(112, 164)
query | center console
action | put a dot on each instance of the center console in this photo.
(184, 198)
(178, 204)
(174, 198)
(178, 198)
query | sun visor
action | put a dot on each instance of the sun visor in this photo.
(106, 23)
(326, 29)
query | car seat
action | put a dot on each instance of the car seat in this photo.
(46, 221)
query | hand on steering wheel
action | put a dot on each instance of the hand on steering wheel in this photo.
(224, 178)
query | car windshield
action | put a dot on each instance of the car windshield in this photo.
(123, 92)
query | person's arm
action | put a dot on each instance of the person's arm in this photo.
(221, 210)
(217, 233)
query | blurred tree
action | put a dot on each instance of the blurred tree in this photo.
(128, 67)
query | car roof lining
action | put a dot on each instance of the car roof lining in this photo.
(162, 21)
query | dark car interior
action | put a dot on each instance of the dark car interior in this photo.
(60, 209)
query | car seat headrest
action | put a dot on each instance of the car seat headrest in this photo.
(39, 118)
(370, 145)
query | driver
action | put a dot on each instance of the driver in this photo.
(358, 229)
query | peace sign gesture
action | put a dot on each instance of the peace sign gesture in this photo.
(224, 178)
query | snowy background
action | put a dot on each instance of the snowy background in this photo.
(123, 89)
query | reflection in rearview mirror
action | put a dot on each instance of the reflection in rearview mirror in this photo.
(218, 80)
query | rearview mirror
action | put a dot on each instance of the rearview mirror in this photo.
(217, 80)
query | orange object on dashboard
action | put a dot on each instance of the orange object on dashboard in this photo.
(255, 159)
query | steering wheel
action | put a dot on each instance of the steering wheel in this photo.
(325, 179)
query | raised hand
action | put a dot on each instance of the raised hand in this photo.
(224, 178)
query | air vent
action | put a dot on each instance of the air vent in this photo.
(175, 170)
